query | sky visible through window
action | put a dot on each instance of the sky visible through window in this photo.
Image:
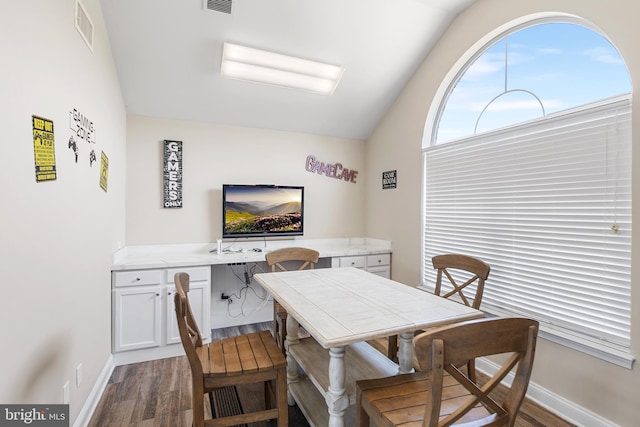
(560, 65)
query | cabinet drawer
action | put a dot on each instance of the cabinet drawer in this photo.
(380, 259)
(137, 278)
(353, 261)
(195, 273)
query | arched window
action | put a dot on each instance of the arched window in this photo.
(529, 169)
(529, 73)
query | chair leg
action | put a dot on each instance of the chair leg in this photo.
(471, 370)
(392, 348)
(281, 397)
(268, 389)
(213, 408)
(197, 403)
(279, 325)
(362, 418)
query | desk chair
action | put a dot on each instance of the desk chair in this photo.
(440, 394)
(244, 359)
(468, 268)
(304, 258)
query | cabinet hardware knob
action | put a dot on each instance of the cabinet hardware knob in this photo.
(138, 279)
(157, 295)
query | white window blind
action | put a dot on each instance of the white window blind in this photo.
(548, 205)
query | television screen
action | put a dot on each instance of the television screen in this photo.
(262, 210)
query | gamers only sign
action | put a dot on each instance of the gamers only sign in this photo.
(172, 174)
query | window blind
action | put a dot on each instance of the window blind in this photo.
(548, 205)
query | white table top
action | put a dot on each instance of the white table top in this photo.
(340, 306)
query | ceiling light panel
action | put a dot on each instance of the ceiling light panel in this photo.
(259, 66)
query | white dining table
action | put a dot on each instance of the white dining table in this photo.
(341, 309)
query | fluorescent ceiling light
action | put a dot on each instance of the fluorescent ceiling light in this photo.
(259, 66)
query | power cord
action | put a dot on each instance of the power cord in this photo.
(246, 279)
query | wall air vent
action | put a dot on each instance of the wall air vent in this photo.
(84, 24)
(223, 6)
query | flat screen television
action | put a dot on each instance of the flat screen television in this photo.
(262, 210)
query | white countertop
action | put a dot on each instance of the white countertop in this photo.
(178, 255)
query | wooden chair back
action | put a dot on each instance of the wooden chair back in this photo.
(441, 394)
(452, 266)
(472, 270)
(307, 257)
(187, 326)
(442, 350)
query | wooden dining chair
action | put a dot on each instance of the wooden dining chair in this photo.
(467, 270)
(441, 394)
(304, 258)
(244, 359)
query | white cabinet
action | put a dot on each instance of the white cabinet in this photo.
(199, 299)
(379, 264)
(137, 317)
(143, 308)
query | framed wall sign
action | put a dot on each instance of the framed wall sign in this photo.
(389, 179)
(172, 174)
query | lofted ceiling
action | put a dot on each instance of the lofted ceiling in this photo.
(167, 54)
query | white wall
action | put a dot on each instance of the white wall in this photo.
(606, 390)
(215, 155)
(56, 237)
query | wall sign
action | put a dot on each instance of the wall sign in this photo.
(172, 174)
(81, 126)
(82, 129)
(44, 150)
(332, 170)
(389, 179)
(104, 171)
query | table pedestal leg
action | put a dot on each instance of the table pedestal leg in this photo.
(337, 399)
(405, 353)
(292, 364)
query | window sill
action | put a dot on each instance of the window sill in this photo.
(608, 354)
(617, 355)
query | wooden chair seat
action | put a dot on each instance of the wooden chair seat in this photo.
(401, 399)
(441, 394)
(243, 359)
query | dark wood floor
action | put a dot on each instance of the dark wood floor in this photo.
(157, 393)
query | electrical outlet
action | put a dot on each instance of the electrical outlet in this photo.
(79, 375)
(65, 393)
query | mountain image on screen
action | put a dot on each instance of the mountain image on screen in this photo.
(252, 217)
(273, 213)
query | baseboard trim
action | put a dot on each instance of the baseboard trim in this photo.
(96, 394)
(552, 402)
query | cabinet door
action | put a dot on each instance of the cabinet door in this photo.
(379, 264)
(198, 299)
(138, 316)
(383, 270)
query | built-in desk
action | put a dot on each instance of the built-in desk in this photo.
(143, 318)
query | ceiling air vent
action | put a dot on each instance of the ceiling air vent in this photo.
(84, 24)
(223, 6)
